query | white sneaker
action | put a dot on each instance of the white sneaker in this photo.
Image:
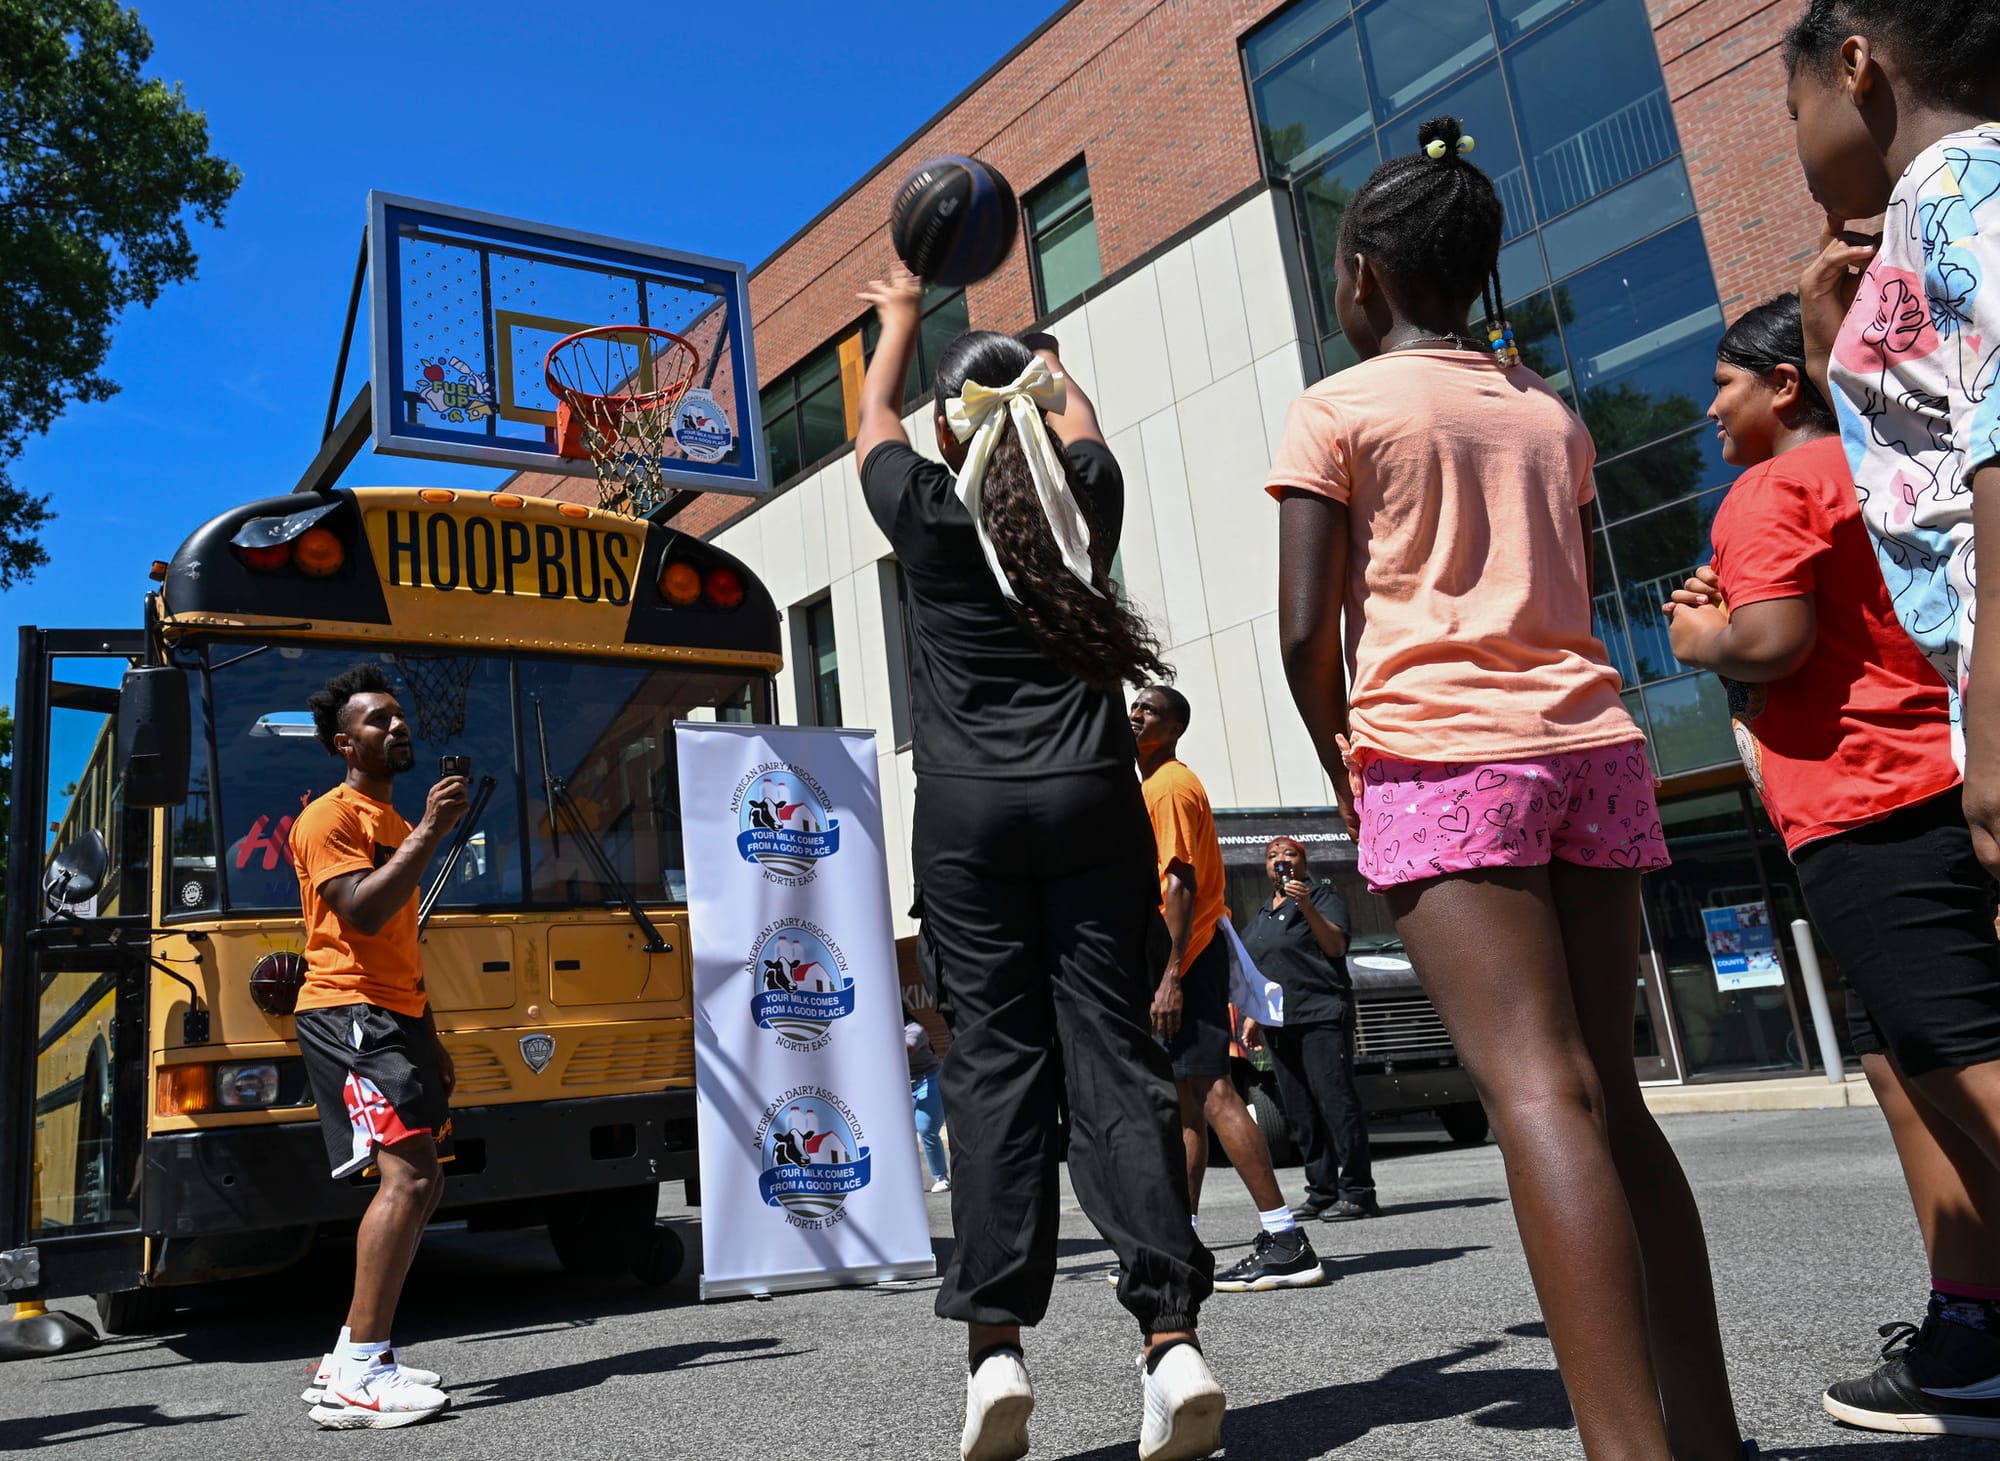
(943, 1184)
(998, 1402)
(323, 1377)
(1183, 1418)
(381, 1399)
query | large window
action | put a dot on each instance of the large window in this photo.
(945, 319)
(1607, 278)
(1062, 238)
(607, 727)
(819, 663)
(805, 414)
(895, 591)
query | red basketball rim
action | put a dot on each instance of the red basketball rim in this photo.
(618, 402)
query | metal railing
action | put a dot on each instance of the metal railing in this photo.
(1651, 645)
(1624, 144)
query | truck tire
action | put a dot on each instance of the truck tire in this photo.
(1465, 1123)
(598, 1234)
(1269, 1114)
(134, 1311)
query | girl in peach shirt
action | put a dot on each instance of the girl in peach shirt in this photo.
(1439, 494)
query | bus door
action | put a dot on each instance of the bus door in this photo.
(73, 978)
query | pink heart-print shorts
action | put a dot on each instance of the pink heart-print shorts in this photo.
(1593, 808)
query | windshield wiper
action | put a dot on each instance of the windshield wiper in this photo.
(560, 801)
(474, 810)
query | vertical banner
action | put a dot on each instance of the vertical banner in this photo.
(808, 1138)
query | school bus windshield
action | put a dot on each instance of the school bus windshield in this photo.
(607, 727)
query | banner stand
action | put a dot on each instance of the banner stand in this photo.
(809, 1172)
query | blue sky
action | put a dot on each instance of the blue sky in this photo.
(545, 112)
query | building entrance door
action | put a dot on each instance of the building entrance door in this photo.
(1726, 855)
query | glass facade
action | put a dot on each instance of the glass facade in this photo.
(1062, 238)
(1611, 294)
(1613, 301)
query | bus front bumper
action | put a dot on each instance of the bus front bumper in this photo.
(238, 1179)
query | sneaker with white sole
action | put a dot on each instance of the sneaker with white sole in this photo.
(1275, 1261)
(381, 1399)
(1183, 1407)
(323, 1377)
(998, 1402)
(1940, 1379)
(943, 1184)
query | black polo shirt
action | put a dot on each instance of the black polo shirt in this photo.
(1281, 944)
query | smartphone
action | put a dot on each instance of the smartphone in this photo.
(1284, 871)
(455, 766)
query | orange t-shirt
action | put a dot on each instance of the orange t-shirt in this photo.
(1184, 831)
(345, 832)
(1467, 614)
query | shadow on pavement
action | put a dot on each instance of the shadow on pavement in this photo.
(1389, 1260)
(1410, 1209)
(1311, 1424)
(96, 1424)
(553, 1380)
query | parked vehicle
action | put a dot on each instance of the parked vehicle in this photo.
(1404, 1061)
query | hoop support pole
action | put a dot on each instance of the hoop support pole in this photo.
(341, 446)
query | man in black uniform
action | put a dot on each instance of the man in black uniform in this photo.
(1298, 940)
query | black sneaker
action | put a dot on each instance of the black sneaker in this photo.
(1347, 1210)
(1938, 1380)
(1276, 1261)
(1313, 1208)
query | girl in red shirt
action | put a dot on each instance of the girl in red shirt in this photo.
(1846, 730)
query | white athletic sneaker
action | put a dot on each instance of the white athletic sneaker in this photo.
(323, 1377)
(1183, 1417)
(998, 1402)
(381, 1399)
(943, 1184)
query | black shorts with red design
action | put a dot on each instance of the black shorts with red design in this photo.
(375, 1076)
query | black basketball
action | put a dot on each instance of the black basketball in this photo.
(953, 221)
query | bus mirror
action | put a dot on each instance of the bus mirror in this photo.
(76, 874)
(153, 736)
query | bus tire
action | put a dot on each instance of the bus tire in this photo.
(1464, 1122)
(1269, 1114)
(598, 1234)
(659, 1257)
(134, 1311)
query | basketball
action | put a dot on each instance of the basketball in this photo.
(954, 220)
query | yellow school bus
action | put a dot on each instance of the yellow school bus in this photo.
(152, 957)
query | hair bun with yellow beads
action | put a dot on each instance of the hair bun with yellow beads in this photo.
(1441, 136)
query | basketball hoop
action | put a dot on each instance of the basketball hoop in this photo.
(438, 684)
(617, 387)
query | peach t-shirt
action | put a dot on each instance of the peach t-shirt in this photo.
(1467, 619)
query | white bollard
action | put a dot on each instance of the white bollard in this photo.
(1822, 1014)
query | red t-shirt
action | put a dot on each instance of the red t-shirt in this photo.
(1863, 726)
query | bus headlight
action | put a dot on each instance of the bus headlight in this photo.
(252, 1084)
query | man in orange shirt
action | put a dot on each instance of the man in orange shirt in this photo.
(1191, 1007)
(373, 1060)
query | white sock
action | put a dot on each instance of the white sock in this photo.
(355, 1359)
(1278, 1220)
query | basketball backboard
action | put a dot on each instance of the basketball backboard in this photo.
(463, 307)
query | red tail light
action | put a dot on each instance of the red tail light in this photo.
(724, 587)
(270, 558)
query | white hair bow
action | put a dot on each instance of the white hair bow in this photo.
(976, 418)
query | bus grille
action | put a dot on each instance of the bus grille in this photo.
(478, 1070)
(1398, 1029)
(661, 1057)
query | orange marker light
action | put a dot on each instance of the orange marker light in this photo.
(507, 499)
(573, 509)
(319, 552)
(185, 1090)
(438, 494)
(681, 584)
(724, 587)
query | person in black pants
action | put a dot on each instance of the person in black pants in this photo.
(1298, 940)
(1033, 864)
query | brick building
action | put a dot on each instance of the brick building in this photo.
(1182, 166)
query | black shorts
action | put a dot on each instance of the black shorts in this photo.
(375, 1077)
(1201, 1048)
(1907, 911)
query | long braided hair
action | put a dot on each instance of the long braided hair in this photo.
(1434, 222)
(1099, 640)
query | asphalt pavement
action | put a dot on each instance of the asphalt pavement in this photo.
(1426, 1344)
